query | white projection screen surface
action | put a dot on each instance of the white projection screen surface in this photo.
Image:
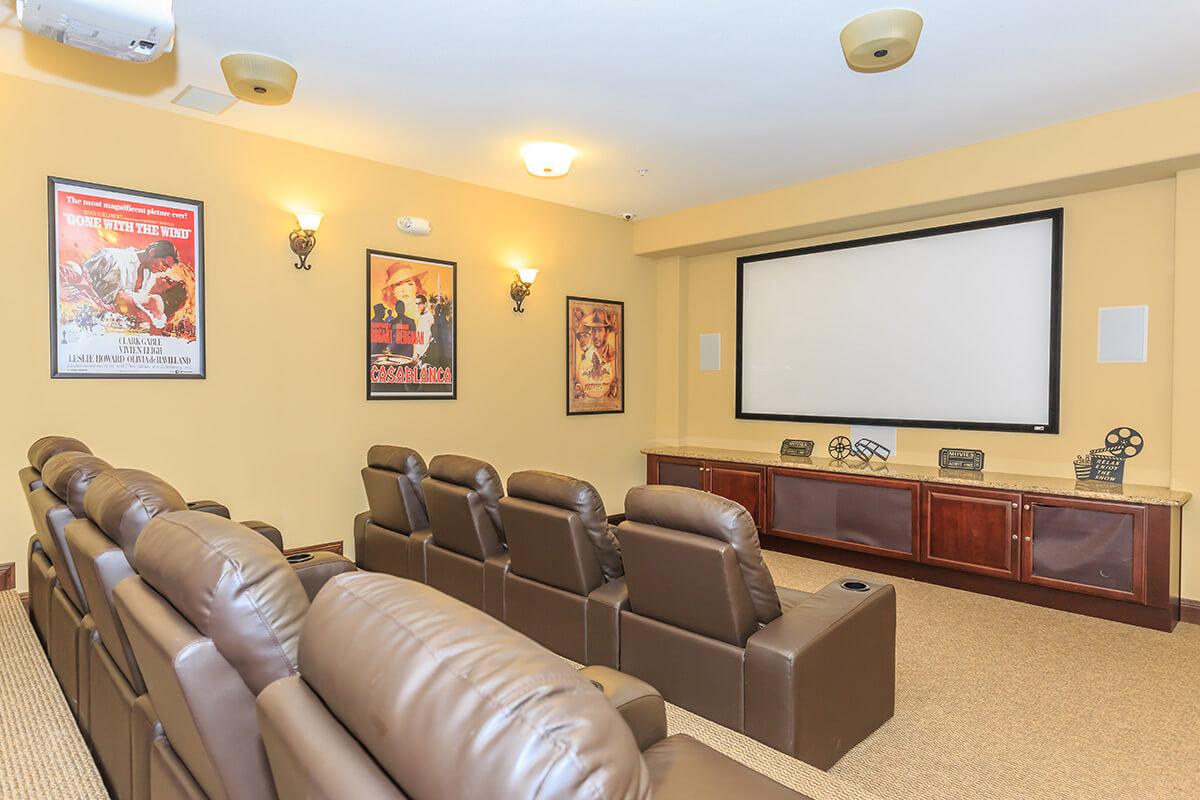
(951, 327)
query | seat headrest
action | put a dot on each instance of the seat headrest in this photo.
(232, 585)
(47, 446)
(122, 501)
(405, 460)
(69, 474)
(572, 494)
(433, 676)
(707, 514)
(474, 474)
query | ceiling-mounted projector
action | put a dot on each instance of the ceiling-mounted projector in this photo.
(131, 30)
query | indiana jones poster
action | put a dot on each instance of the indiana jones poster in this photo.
(595, 356)
(411, 328)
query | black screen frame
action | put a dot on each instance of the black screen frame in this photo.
(1055, 215)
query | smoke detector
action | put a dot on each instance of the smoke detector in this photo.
(881, 40)
(259, 79)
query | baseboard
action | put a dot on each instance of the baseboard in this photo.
(24, 599)
(8, 576)
(1189, 611)
(323, 547)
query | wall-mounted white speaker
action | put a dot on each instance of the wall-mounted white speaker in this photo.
(414, 225)
(1123, 335)
(710, 352)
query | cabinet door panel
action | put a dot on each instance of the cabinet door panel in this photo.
(874, 515)
(739, 484)
(971, 530)
(681, 473)
(1085, 546)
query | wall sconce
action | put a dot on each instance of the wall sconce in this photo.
(304, 238)
(520, 288)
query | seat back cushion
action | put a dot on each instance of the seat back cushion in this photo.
(122, 501)
(548, 544)
(706, 514)
(690, 582)
(435, 677)
(459, 521)
(392, 479)
(580, 497)
(47, 446)
(476, 475)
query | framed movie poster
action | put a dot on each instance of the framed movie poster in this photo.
(595, 356)
(411, 328)
(126, 283)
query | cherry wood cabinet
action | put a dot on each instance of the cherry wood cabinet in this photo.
(743, 484)
(1113, 559)
(975, 530)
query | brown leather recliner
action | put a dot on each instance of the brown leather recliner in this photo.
(810, 675)
(562, 589)
(449, 703)
(213, 618)
(119, 504)
(466, 556)
(57, 502)
(41, 569)
(391, 535)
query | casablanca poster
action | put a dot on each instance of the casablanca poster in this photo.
(411, 328)
(127, 283)
(595, 356)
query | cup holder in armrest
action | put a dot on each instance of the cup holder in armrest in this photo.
(856, 586)
(300, 558)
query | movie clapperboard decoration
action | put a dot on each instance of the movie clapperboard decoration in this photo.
(796, 447)
(865, 449)
(960, 458)
(1108, 463)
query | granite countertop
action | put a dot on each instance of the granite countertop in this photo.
(1126, 493)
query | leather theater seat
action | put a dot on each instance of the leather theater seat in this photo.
(563, 589)
(466, 556)
(707, 627)
(41, 569)
(391, 535)
(213, 618)
(66, 477)
(449, 703)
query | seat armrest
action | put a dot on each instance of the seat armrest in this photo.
(360, 537)
(639, 703)
(822, 677)
(209, 507)
(494, 569)
(604, 607)
(316, 569)
(417, 543)
(269, 531)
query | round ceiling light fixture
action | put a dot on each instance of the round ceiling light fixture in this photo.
(881, 40)
(548, 159)
(259, 79)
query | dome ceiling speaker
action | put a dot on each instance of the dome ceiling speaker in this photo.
(881, 40)
(259, 79)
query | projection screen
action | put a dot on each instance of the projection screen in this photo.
(950, 327)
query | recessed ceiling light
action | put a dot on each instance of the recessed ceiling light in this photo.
(198, 99)
(548, 159)
(881, 40)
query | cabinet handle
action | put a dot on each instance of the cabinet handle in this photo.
(1014, 537)
(1027, 506)
(1028, 539)
(1015, 505)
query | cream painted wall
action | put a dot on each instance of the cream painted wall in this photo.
(1119, 249)
(1185, 452)
(280, 428)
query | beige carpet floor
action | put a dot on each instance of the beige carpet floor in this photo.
(42, 754)
(1000, 700)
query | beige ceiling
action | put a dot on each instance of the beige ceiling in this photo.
(715, 99)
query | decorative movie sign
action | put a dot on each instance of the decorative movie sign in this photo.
(960, 458)
(411, 327)
(865, 449)
(796, 447)
(126, 283)
(1108, 463)
(839, 448)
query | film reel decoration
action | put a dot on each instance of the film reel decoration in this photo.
(866, 449)
(1107, 463)
(840, 447)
